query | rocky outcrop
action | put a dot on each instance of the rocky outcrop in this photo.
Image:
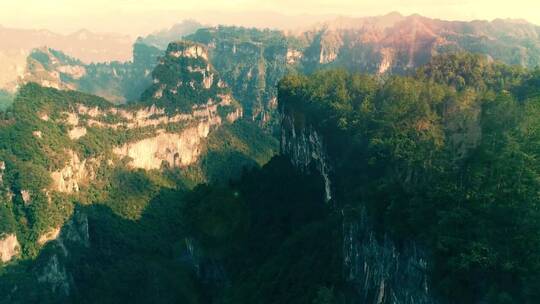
(69, 178)
(304, 147)
(2, 169)
(118, 82)
(54, 274)
(185, 77)
(176, 150)
(26, 196)
(294, 56)
(53, 271)
(250, 64)
(399, 44)
(77, 132)
(9, 247)
(379, 270)
(48, 236)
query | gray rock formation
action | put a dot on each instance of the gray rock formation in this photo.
(377, 269)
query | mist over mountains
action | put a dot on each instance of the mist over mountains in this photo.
(252, 61)
(387, 159)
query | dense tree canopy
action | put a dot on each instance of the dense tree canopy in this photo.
(447, 157)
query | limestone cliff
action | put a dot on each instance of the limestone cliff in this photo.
(118, 82)
(53, 271)
(399, 44)
(376, 268)
(9, 247)
(379, 270)
(185, 77)
(251, 63)
(175, 122)
(177, 150)
(68, 178)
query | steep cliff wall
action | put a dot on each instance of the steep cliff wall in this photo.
(9, 247)
(172, 127)
(78, 142)
(177, 150)
(119, 82)
(304, 147)
(251, 62)
(376, 267)
(379, 270)
(399, 44)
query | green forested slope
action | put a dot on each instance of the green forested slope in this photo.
(446, 158)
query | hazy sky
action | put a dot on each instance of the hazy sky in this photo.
(143, 16)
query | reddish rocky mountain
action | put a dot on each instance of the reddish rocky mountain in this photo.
(396, 43)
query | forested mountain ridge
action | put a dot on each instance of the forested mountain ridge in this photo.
(251, 61)
(416, 184)
(399, 44)
(416, 189)
(118, 82)
(89, 47)
(438, 168)
(64, 151)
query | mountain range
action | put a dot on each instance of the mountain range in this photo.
(387, 159)
(252, 60)
(84, 45)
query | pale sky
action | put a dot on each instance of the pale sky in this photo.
(137, 17)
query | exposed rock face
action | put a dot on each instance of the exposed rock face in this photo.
(144, 117)
(177, 150)
(191, 51)
(380, 271)
(89, 47)
(397, 44)
(9, 247)
(50, 235)
(118, 82)
(68, 178)
(387, 60)
(54, 271)
(26, 197)
(209, 271)
(251, 65)
(234, 116)
(304, 146)
(377, 269)
(2, 169)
